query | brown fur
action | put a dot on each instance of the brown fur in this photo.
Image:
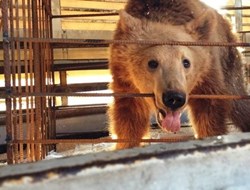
(214, 70)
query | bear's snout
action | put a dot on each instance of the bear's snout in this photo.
(173, 99)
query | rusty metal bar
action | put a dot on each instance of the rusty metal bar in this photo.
(14, 80)
(86, 15)
(247, 31)
(27, 118)
(44, 50)
(105, 140)
(235, 7)
(141, 42)
(221, 97)
(44, 71)
(52, 100)
(124, 95)
(19, 85)
(37, 77)
(39, 131)
(47, 7)
(32, 83)
(7, 77)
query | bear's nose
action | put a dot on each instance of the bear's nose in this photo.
(173, 99)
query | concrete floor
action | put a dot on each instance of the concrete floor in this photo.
(215, 163)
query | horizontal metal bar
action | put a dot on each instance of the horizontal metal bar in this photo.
(86, 15)
(85, 9)
(75, 94)
(104, 140)
(243, 32)
(141, 42)
(87, 43)
(62, 45)
(235, 8)
(121, 95)
(79, 87)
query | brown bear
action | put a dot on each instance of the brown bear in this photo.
(172, 73)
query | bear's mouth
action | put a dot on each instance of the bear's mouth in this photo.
(169, 120)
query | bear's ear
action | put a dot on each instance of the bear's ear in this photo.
(203, 26)
(128, 22)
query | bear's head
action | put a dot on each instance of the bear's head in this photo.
(169, 72)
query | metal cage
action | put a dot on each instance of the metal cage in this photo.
(29, 68)
(30, 117)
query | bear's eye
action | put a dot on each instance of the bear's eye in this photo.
(186, 63)
(153, 64)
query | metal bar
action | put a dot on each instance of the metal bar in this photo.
(45, 31)
(26, 76)
(37, 77)
(95, 10)
(14, 82)
(141, 42)
(105, 140)
(246, 31)
(44, 71)
(128, 95)
(86, 15)
(59, 43)
(31, 86)
(7, 78)
(236, 7)
(123, 95)
(51, 127)
(19, 126)
(47, 8)
(41, 60)
(52, 123)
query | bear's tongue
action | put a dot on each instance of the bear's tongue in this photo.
(171, 122)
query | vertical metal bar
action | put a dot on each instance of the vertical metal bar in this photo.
(47, 71)
(43, 72)
(31, 77)
(53, 99)
(25, 49)
(13, 70)
(37, 71)
(54, 24)
(7, 78)
(46, 74)
(19, 78)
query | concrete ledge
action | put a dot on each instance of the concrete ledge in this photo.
(215, 163)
